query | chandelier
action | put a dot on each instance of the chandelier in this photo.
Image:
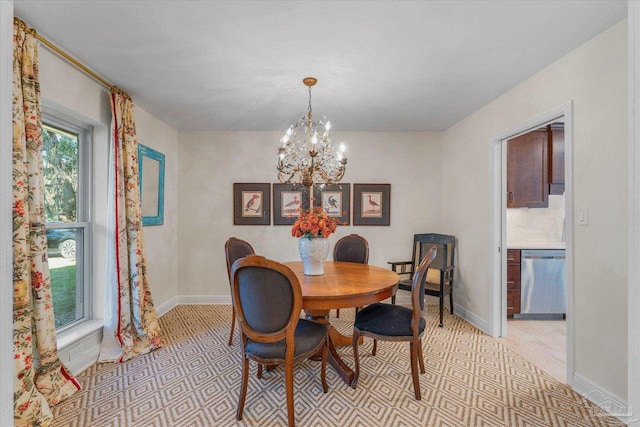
(306, 156)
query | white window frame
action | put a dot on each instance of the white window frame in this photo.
(84, 302)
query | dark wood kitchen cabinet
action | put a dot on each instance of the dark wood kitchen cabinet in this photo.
(528, 170)
(556, 158)
(513, 282)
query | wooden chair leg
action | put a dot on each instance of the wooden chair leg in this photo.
(259, 371)
(420, 358)
(414, 369)
(289, 388)
(451, 299)
(441, 299)
(375, 347)
(243, 388)
(356, 360)
(337, 313)
(323, 368)
(233, 324)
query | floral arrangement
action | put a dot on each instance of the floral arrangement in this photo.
(313, 223)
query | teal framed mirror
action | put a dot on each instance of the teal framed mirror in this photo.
(151, 170)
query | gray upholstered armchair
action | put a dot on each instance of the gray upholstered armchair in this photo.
(267, 299)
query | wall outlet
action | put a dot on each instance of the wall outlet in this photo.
(583, 215)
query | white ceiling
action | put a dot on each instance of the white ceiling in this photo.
(381, 65)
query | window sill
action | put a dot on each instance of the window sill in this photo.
(75, 334)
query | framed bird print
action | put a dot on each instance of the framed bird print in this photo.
(251, 204)
(371, 204)
(334, 200)
(288, 199)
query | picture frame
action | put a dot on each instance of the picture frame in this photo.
(151, 172)
(335, 201)
(288, 199)
(251, 203)
(371, 204)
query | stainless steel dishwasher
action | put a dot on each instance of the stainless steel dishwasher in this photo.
(543, 290)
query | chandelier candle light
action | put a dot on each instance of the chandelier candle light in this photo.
(306, 155)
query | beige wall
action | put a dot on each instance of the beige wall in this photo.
(594, 76)
(161, 241)
(210, 162)
(72, 92)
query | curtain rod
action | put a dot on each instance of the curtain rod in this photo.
(72, 60)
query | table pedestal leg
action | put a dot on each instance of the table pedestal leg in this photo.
(335, 339)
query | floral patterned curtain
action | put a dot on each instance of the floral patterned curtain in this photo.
(41, 380)
(131, 325)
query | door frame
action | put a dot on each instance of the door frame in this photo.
(498, 244)
(633, 322)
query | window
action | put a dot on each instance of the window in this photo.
(66, 198)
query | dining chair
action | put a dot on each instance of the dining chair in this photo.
(439, 280)
(268, 301)
(235, 249)
(351, 248)
(390, 322)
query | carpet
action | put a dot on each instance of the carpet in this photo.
(471, 379)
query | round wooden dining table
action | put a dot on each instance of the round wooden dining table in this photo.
(343, 284)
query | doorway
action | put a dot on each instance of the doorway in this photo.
(499, 247)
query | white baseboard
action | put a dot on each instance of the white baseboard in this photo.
(204, 299)
(164, 308)
(472, 318)
(603, 398)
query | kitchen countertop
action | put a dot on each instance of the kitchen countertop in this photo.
(536, 245)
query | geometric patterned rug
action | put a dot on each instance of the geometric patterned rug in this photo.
(471, 379)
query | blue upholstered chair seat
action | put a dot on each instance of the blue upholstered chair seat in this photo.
(308, 336)
(387, 319)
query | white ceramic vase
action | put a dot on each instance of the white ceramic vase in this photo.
(313, 252)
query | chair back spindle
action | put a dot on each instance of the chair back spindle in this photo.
(439, 279)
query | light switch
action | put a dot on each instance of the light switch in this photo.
(583, 215)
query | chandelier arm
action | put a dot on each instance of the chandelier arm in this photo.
(327, 179)
(288, 178)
